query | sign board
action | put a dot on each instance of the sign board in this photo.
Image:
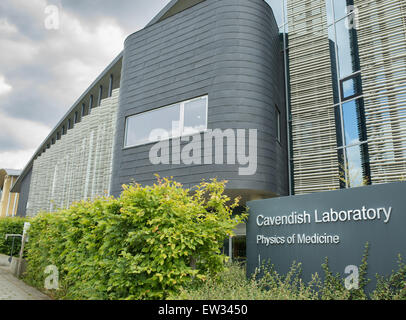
(333, 224)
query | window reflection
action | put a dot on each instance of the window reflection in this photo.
(140, 127)
(341, 8)
(195, 116)
(350, 121)
(354, 167)
(347, 48)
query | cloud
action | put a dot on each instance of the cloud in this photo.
(21, 133)
(4, 87)
(15, 159)
(43, 72)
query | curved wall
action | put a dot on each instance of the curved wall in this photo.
(229, 50)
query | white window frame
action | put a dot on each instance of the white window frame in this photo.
(181, 122)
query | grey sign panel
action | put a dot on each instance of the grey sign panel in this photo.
(334, 224)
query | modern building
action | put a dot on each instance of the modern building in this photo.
(8, 200)
(317, 87)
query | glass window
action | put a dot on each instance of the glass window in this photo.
(184, 118)
(100, 95)
(111, 85)
(351, 87)
(152, 126)
(342, 8)
(195, 119)
(347, 49)
(90, 102)
(354, 167)
(350, 120)
(76, 117)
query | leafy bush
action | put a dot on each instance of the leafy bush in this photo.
(392, 287)
(11, 226)
(146, 244)
(267, 284)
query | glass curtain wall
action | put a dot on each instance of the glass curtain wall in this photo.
(352, 140)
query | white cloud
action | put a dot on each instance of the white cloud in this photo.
(6, 27)
(15, 159)
(28, 134)
(4, 86)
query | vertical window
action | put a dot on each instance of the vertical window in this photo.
(100, 96)
(58, 136)
(83, 109)
(195, 116)
(63, 130)
(111, 85)
(277, 124)
(347, 87)
(69, 124)
(76, 117)
(90, 102)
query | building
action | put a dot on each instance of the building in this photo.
(320, 84)
(8, 200)
(347, 76)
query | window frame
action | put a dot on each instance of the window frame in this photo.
(181, 122)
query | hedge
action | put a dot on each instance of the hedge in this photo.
(11, 226)
(146, 244)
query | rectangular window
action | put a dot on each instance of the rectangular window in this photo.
(76, 117)
(111, 85)
(351, 86)
(183, 118)
(69, 124)
(100, 96)
(83, 110)
(277, 124)
(90, 102)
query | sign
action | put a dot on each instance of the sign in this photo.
(334, 224)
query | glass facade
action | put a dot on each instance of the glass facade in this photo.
(347, 86)
(340, 29)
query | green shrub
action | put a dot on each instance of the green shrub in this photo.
(11, 226)
(146, 244)
(392, 287)
(268, 284)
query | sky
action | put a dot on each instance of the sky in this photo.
(45, 67)
(50, 52)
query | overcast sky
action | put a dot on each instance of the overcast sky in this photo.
(43, 72)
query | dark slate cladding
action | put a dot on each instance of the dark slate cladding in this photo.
(229, 50)
(24, 192)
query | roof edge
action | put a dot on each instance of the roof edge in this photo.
(17, 184)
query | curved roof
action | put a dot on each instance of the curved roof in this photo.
(8, 172)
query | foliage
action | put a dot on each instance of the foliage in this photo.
(333, 287)
(392, 287)
(146, 244)
(267, 284)
(11, 226)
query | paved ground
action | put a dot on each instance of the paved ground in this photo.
(12, 288)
